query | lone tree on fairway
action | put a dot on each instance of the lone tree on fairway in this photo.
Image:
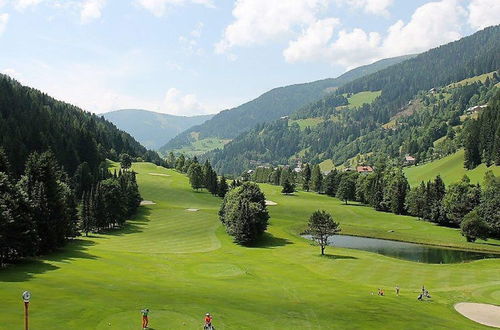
(288, 188)
(321, 226)
(125, 161)
(473, 227)
(306, 177)
(244, 213)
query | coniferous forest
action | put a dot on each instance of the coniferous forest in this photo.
(54, 178)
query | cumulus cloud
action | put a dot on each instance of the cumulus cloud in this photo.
(160, 7)
(4, 19)
(431, 25)
(91, 10)
(178, 103)
(483, 13)
(258, 21)
(376, 7)
(310, 45)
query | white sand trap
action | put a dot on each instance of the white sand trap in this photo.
(147, 203)
(481, 313)
(271, 203)
(192, 210)
(159, 174)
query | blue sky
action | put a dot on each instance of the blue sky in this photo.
(189, 57)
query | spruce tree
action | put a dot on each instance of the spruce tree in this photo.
(316, 179)
(306, 177)
(222, 187)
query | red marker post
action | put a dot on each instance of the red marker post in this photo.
(26, 299)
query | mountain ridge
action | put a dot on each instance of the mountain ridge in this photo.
(271, 105)
(152, 129)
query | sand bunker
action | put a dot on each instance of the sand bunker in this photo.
(192, 210)
(270, 203)
(147, 203)
(481, 313)
(159, 174)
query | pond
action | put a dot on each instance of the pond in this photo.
(407, 251)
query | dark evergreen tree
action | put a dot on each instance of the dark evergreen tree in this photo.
(222, 187)
(244, 213)
(316, 179)
(125, 161)
(195, 174)
(306, 177)
(288, 188)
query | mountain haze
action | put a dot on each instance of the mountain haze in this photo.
(271, 105)
(152, 129)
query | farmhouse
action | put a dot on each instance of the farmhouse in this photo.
(364, 169)
(410, 160)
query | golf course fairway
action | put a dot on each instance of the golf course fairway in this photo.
(181, 264)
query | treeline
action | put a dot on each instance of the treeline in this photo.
(31, 121)
(482, 136)
(39, 211)
(200, 176)
(390, 121)
(387, 189)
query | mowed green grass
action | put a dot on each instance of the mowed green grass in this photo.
(450, 168)
(181, 264)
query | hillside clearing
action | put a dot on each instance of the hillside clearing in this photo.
(450, 168)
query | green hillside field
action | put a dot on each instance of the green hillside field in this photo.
(181, 264)
(450, 168)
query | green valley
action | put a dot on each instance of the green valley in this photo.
(181, 264)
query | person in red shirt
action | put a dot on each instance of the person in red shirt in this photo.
(208, 321)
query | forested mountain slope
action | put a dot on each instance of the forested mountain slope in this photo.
(152, 129)
(33, 121)
(415, 107)
(269, 106)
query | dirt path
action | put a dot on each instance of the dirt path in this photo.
(481, 313)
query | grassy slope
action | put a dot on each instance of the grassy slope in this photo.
(202, 146)
(358, 99)
(182, 264)
(451, 168)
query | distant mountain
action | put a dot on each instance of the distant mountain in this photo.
(152, 129)
(270, 106)
(402, 109)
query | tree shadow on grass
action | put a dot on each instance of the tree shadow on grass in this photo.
(336, 256)
(136, 225)
(269, 241)
(26, 269)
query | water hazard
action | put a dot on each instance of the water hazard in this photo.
(407, 251)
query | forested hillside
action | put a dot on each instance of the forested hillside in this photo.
(33, 121)
(54, 178)
(416, 106)
(272, 105)
(152, 129)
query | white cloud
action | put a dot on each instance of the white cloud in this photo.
(159, 7)
(483, 13)
(431, 25)
(91, 10)
(23, 4)
(310, 45)
(178, 103)
(257, 21)
(4, 19)
(376, 7)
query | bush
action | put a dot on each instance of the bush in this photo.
(473, 227)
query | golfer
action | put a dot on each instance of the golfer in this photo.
(145, 320)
